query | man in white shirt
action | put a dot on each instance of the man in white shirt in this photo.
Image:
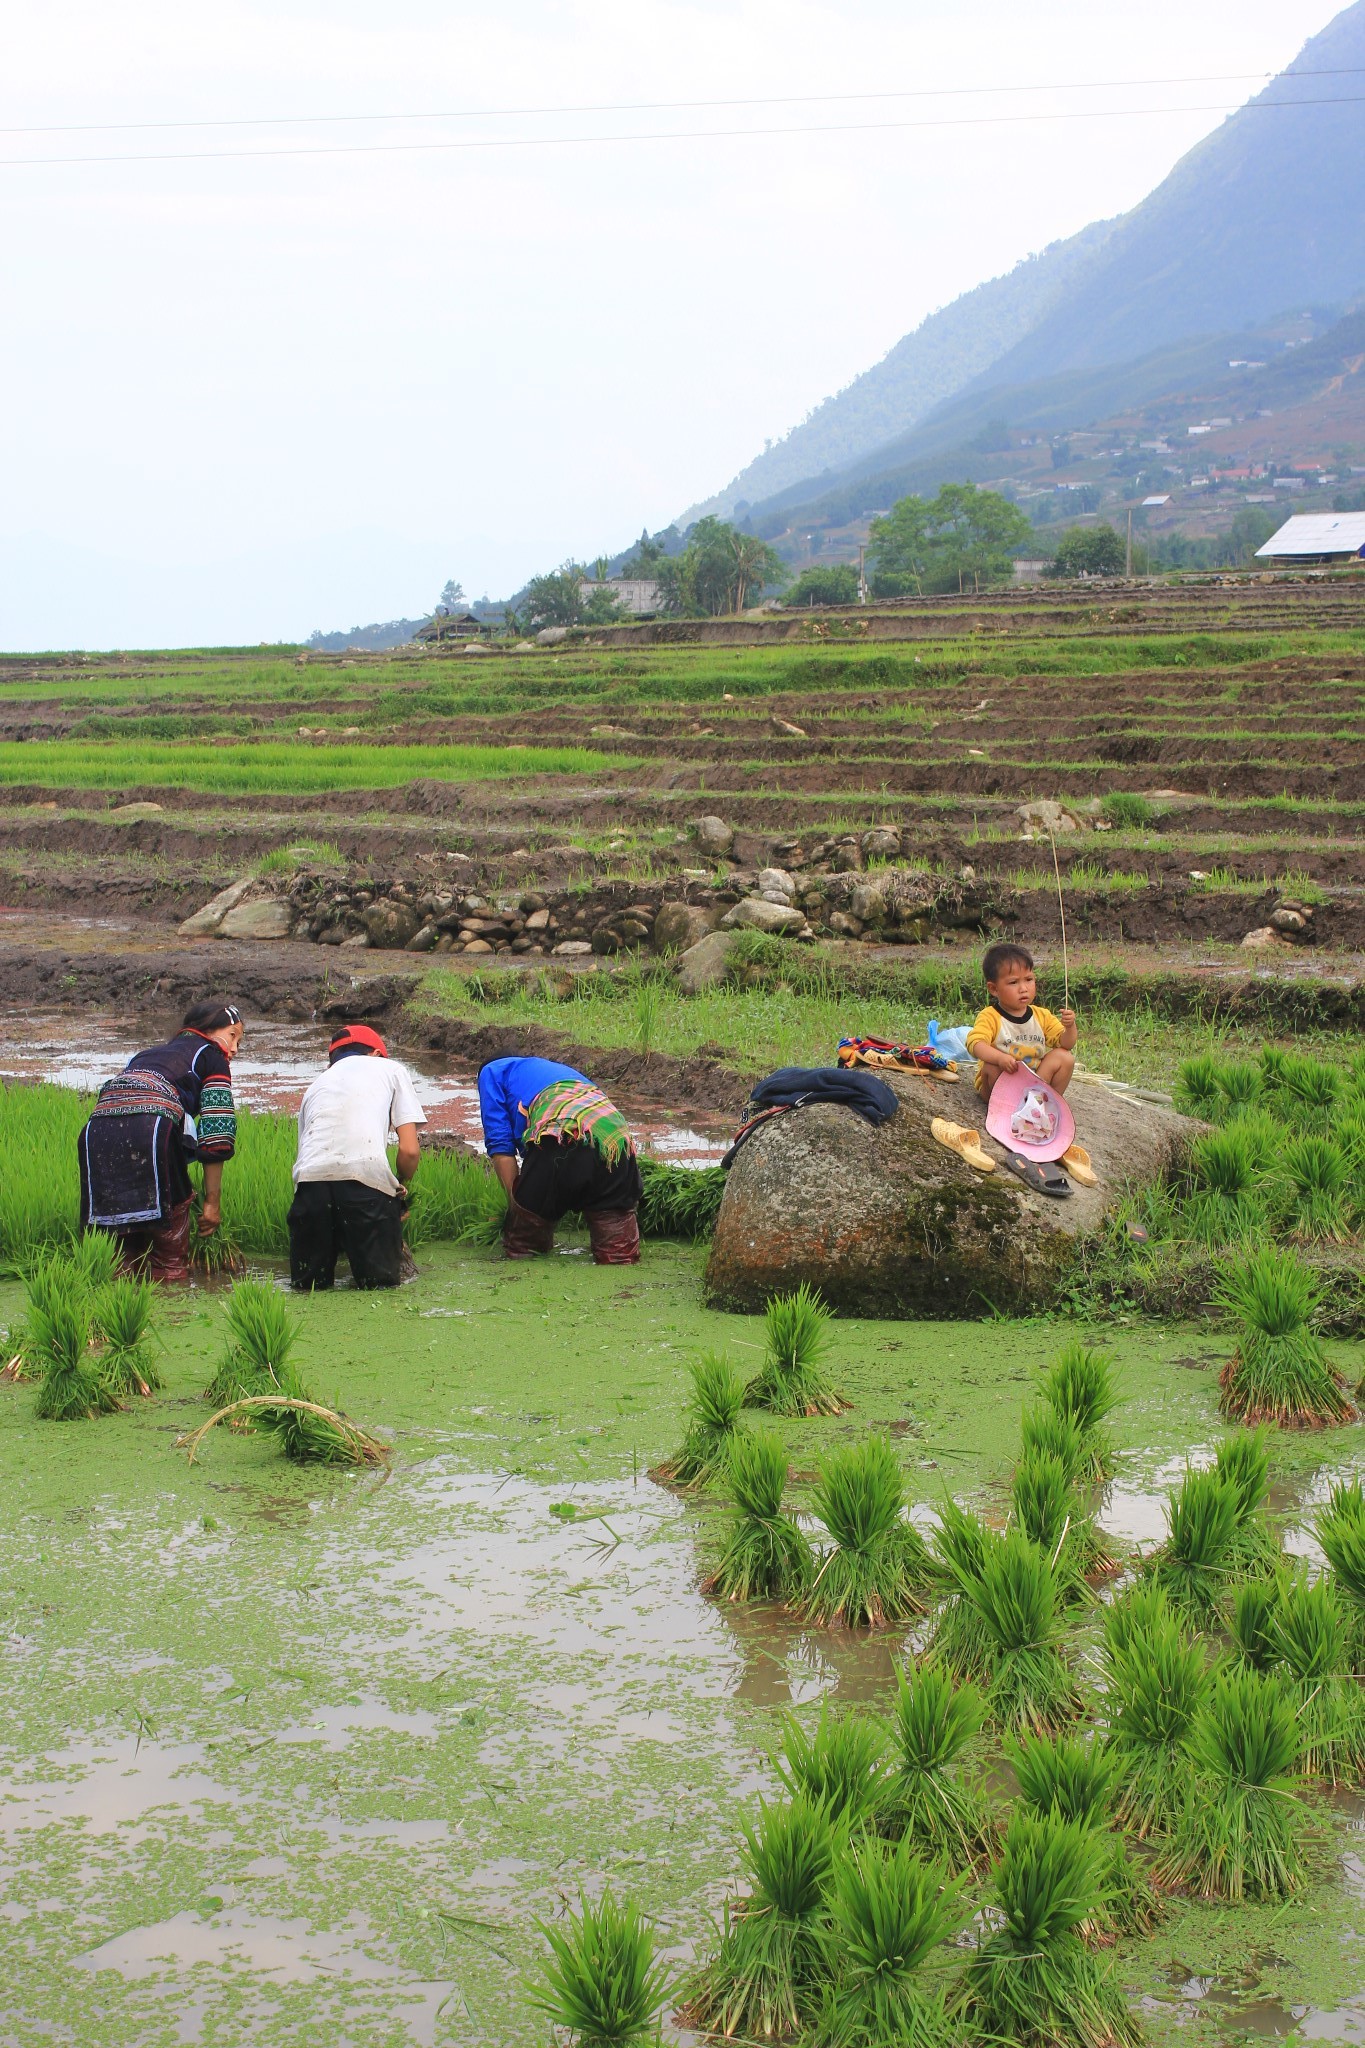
(347, 1197)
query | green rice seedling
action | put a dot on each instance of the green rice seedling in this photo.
(1077, 1781)
(1309, 1633)
(1044, 1433)
(72, 1388)
(679, 1201)
(1309, 1090)
(766, 1557)
(311, 1433)
(1318, 1175)
(215, 1251)
(261, 1335)
(961, 1545)
(1262, 1138)
(887, 1915)
(1028, 1683)
(1033, 1981)
(839, 1765)
(1238, 1836)
(927, 1800)
(1244, 1461)
(1254, 1607)
(1272, 1059)
(1279, 1372)
(1157, 1680)
(1340, 1529)
(1141, 1607)
(1226, 1201)
(790, 1382)
(1239, 1084)
(1079, 1384)
(124, 1314)
(38, 1208)
(1052, 1514)
(1196, 1089)
(50, 1283)
(94, 1260)
(600, 1981)
(763, 1979)
(1349, 1131)
(717, 1398)
(876, 1572)
(1195, 1564)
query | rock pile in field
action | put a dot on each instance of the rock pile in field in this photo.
(885, 1221)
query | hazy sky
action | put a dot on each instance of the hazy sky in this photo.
(244, 399)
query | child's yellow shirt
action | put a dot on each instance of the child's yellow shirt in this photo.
(1023, 1038)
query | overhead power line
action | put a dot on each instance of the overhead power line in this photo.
(810, 99)
(490, 142)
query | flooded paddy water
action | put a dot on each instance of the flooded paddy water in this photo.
(305, 1756)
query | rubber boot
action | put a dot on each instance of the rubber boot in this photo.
(614, 1235)
(524, 1234)
(170, 1260)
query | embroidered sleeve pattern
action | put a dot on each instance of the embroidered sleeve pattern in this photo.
(217, 1121)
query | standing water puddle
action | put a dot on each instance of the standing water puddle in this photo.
(277, 1062)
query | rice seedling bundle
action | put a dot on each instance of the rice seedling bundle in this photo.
(1196, 1090)
(1079, 1384)
(1262, 1137)
(1318, 1174)
(1272, 1059)
(1238, 1832)
(927, 1801)
(1243, 1461)
(1309, 1090)
(876, 1572)
(311, 1433)
(766, 1557)
(1158, 1680)
(1077, 1780)
(261, 1335)
(1051, 1514)
(1340, 1527)
(679, 1201)
(215, 1251)
(1033, 1982)
(839, 1765)
(887, 1915)
(1308, 1632)
(1028, 1682)
(1279, 1372)
(124, 1314)
(1239, 1083)
(1195, 1564)
(717, 1398)
(789, 1382)
(600, 1980)
(1044, 1433)
(765, 1975)
(1349, 1130)
(72, 1388)
(1254, 1607)
(1226, 1201)
(1140, 1608)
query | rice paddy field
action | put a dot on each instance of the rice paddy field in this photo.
(542, 1655)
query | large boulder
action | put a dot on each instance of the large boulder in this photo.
(267, 917)
(885, 1221)
(679, 926)
(207, 921)
(761, 916)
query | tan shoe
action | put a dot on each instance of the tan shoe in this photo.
(967, 1144)
(1076, 1160)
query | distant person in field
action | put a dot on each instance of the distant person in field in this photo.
(170, 1106)
(1014, 1030)
(557, 1144)
(347, 1198)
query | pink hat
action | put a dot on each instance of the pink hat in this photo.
(1007, 1099)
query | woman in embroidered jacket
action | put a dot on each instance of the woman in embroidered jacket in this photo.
(575, 1153)
(171, 1104)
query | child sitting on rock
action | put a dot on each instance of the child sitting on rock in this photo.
(1014, 1031)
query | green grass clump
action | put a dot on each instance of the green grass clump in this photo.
(789, 1382)
(765, 1975)
(1318, 1173)
(261, 1335)
(1226, 1202)
(1279, 1372)
(1238, 1836)
(1254, 1609)
(1129, 810)
(95, 1260)
(1196, 1090)
(1309, 1090)
(875, 1573)
(1044, 1433)
(72, 1387)
(600, 1981)
(927, 1801)
(124, 1314)
(888, 1912)
(1027, 1681)
(1052, 1514)
(1239, 1083)
(679, 1201)
(1033, 1982)
(1308, 1632)
(838, 1765)
(1080, 1385)
(717, 1399)
(1156, 1682)
(766, 1557)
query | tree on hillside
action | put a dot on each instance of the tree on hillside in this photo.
(452, 597)
(962, 536)
(1251, 528)
(1089, 551)
(648, 553)
(559, 599)
(824, 583)
(719, 570)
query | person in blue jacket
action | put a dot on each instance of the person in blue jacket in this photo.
(556, 1143)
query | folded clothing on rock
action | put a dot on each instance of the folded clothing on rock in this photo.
(797, 1087)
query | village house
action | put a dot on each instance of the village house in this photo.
(1317, 540)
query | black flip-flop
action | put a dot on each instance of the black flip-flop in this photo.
(1040, 1175)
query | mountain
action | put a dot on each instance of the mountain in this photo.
(1264, 217)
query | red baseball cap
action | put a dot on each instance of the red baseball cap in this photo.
(361, 1035)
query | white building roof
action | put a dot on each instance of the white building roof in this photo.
(1318, 533)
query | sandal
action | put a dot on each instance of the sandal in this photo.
(967, 1144)
(1076, 1160)
(1039, 1174)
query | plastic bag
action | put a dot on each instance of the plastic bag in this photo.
(950, 1040)
(1035, 1120)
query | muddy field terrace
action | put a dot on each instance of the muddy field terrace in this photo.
(535, 1594)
